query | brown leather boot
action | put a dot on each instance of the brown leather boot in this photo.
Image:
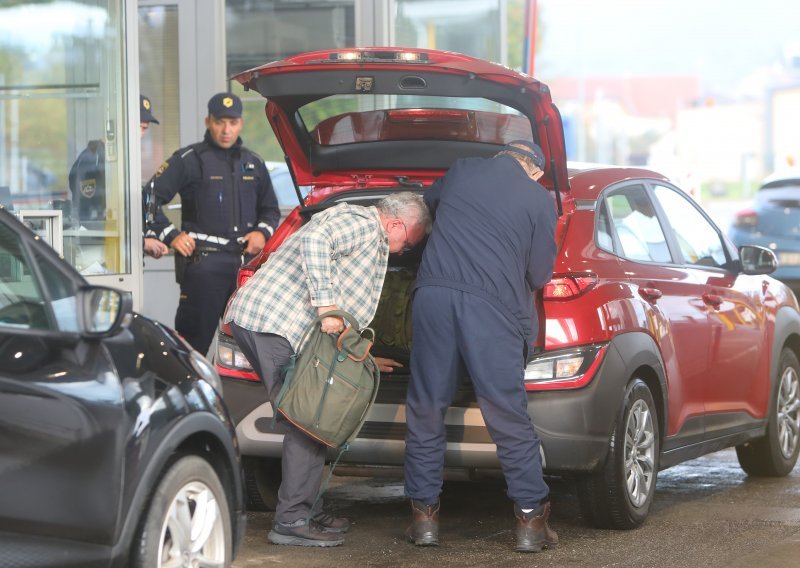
(424, 529)
(533, 532)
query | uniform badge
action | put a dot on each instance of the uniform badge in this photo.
(88, 188)
(161, 168)
(227, 102)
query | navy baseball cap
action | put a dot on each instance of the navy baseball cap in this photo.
(530, 149)
(145, 110)
(225, 105)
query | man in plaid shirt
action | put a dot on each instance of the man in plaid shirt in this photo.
(336, 261)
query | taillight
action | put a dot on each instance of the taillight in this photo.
(746, 218)
(231, 362)
(564, 287)
(564, 369)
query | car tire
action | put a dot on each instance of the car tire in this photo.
(188, 497)
(618, 496)
(775, 454)
(263, 479)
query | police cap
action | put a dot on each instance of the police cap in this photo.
(225, 105)
(145, 110)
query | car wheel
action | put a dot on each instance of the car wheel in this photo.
(263, 479)
(619, 495)
(187, 522)
(775, 454)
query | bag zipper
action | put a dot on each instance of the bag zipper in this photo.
(328, 383)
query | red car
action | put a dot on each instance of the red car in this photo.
(659, 341)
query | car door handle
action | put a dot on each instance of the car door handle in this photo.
(712, 300)
(650, 294)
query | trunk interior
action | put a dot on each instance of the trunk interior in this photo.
(392, 322)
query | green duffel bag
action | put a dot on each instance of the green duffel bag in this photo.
(331, 382)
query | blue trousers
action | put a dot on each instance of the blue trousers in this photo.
(207, 284)
(454, 333)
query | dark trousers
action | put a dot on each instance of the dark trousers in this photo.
(456, 333)
(208, 282)
(303, 458)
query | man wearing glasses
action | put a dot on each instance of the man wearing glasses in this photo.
(338, 260)
(473, 314)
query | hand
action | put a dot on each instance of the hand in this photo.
(255, 242)
(183, 244)
(332, 324)
(154, 247)
(387, 365)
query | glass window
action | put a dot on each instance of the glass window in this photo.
(697, 238)
(344, 119)
(63, 123)
(470, 27)
(61, 291)
(21, 301)
(269, 30)
(158, 69)
(636, 224)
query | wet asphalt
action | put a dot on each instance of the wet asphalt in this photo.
(706, 513)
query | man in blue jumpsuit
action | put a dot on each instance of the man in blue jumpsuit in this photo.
(473, 313)
(228, 207)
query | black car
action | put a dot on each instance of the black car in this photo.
(115, 446)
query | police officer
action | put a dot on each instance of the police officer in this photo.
(87, 177)
(228, 208)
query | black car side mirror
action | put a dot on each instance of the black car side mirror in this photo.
(757, 260)
(103, 312)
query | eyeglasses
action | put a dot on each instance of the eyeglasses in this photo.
(407, 245)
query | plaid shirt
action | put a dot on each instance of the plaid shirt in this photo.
(339, 257)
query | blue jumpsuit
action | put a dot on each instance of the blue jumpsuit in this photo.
(474, 314)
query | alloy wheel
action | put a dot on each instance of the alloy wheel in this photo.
(788, 407)
(639, 453)
(192, 534)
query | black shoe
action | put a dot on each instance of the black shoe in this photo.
(533, 531)
(302, 533)
(424, 529)
(330, 523)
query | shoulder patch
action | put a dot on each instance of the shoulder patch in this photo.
(161, 169)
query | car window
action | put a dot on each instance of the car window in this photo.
(634, 220)
(697, 238)
(62, 291)
(22, 303)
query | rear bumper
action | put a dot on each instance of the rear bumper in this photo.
(574, 425)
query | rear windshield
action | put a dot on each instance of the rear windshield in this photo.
(345, 119)
(779, 183)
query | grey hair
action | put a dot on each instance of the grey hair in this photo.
(408, 206)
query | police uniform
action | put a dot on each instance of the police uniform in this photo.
(225, 194)
(87, 182)
(473, 314)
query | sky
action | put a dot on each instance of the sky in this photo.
(721, 41)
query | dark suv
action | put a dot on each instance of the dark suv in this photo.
(659, 340)
(115, 446)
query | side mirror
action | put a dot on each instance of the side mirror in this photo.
(103, 312)
(757, 260)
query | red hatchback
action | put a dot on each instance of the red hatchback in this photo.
(660, 341)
